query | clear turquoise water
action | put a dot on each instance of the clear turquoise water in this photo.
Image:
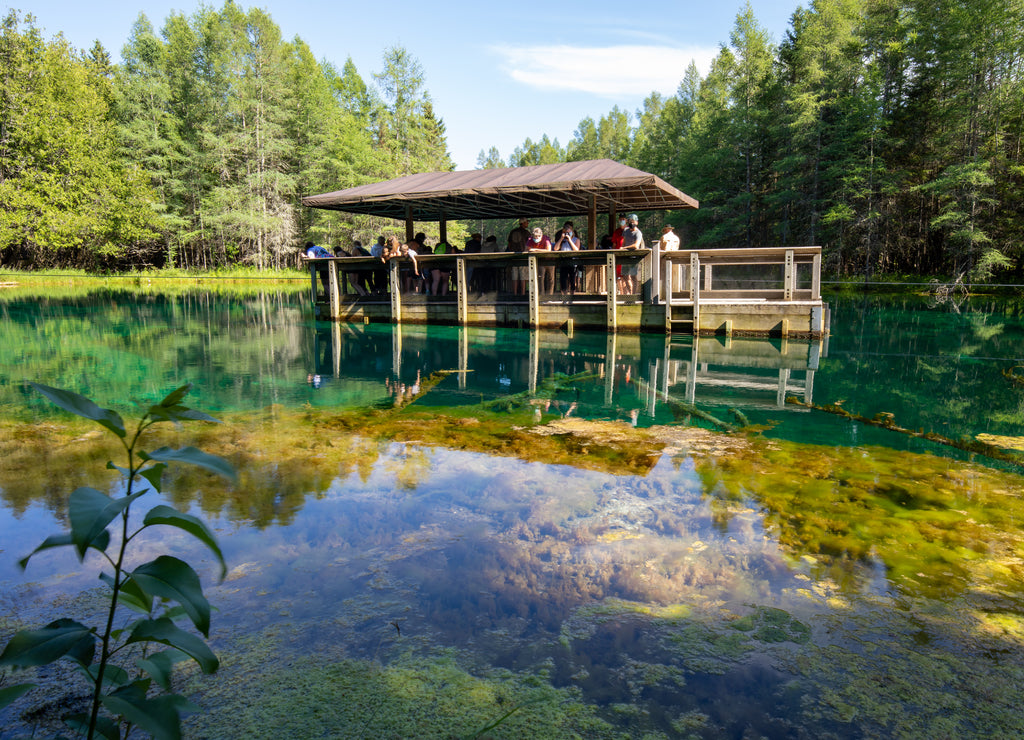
(613, 584)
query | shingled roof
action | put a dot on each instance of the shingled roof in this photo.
(542, 190)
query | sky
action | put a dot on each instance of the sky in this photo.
(498, 73)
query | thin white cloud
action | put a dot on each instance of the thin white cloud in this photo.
(610, 71)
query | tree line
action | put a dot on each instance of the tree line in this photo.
(887, 131)
(195, 150)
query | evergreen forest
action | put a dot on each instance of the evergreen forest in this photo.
(887, 131)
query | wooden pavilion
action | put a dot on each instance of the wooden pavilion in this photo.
(773, 291)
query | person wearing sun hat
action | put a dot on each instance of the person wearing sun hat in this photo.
(632, 238)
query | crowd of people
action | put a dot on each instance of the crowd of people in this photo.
(568, 278)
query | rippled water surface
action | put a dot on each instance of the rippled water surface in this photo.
(614, 536)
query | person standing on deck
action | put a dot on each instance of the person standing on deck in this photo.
(540, 243)
(567, 241)
(517, 239)
(313, 252)
(632, 238)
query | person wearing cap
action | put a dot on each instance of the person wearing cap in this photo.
(517, 239)
(632, 238)
(670, 243)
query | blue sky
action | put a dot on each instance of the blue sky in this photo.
(497, 72)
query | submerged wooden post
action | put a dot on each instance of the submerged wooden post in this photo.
(463, 356)
(396, 351)
(460, 287)
(609, 368)
(534, 290)
(396, 293)
(534, 359)
(336, 341)
(612, 297)
(691, 374)
(780, 397)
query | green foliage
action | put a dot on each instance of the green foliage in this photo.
(150, 589)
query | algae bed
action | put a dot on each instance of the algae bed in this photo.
(443, 561)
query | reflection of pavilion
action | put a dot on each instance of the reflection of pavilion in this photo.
(489, 362)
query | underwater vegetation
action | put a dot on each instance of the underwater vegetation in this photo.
(417, 570)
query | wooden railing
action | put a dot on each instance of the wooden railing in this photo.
(682, 277)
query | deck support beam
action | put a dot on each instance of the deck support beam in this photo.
(534, 290)
(461, 288)
(396, 293)
(334, 297)
(695, 290)
(612, 297)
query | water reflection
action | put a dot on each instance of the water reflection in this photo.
(633, 377)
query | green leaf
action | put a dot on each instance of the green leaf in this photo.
(178, 414)
(82, 406)
(12, 693)
(118, 468)
(105, 726)
(174, 579)
(159, 667)
(191, 524)
(90, 512)
(131, 595)
(112, 675)
(193, 456)
(175, 396)
(56, 540)
(154, 475)
(159, 716)
(165, 632)
(44, 646)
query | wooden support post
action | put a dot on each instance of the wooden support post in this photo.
(409, 226)
(592, 240)
(612, 297)
(534, 290)
(695, 290)
(396, 293)
(669, 269)
(809, 388)
(652, 285)
(443, 227)
(816, 278)
(461, 289)
(665, 364)
(312, 275)
(784, 328)
(707, 277)
(652, 386)
(334, 294)
(569, 327)
(790, 277)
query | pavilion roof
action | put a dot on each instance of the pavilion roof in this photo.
(542, 190)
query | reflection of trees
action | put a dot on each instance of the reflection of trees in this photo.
(236, 350)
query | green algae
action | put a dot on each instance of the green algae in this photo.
(413, 694)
